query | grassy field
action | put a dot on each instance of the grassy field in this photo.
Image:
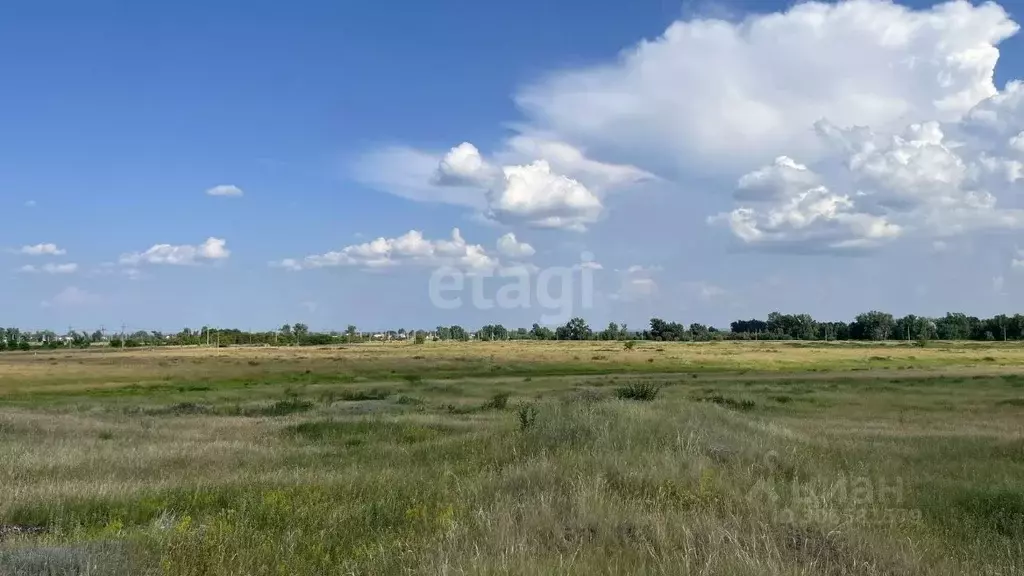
(515, 458)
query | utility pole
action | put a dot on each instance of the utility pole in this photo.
(123, 327)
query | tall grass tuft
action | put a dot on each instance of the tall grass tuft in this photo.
(642, 390)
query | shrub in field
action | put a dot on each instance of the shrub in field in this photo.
(643, 390)
(629, 345)
(497, 402)
(527, 416)
(730, 402)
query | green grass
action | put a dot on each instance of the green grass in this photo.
(764, 472)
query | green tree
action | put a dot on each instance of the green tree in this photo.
(873, 325)
(539, 332)
(611, 332)
(458, 333)
(575, 329)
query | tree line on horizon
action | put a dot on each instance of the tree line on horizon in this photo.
(873, 326)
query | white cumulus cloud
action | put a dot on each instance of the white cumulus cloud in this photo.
(600, 177)
(46, 249)
(842, 126)
(185, 254)
(462, 176)
(535, 196)
(463, 166)
(509, 246)
(412, 174)
(711, 95)
(876, 187)
(411, 248)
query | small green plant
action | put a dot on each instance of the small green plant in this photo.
(497, 402)
(643, 390)
(629, 345)
(527, 416)
(420, 339)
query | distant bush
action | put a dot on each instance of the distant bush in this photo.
(629, 345)
(316, 339)
(420, 339)
(497, 402)
(643, 390)
(730, 402)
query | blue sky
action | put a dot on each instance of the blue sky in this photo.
(334, 120)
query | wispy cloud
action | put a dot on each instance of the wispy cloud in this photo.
(225, 190)
(45, 249)
(68, 268)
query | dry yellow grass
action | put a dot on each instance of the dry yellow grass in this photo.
(99, 367)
